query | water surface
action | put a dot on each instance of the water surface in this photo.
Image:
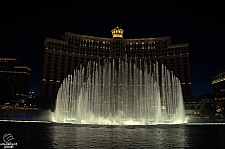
(56, 135)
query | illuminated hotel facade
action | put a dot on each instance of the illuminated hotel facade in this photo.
(14, 79)
(61, 57)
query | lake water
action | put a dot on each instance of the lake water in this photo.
(55, 135)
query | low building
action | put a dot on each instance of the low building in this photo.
(193, 108)
(31, 94)
(219, 103)
(218, 82)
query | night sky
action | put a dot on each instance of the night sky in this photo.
(26, 24)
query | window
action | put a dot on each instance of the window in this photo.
(54, 86)
(47, 85)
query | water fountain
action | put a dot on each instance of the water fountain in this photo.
(120, 93)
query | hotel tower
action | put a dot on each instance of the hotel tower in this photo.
(61, 57)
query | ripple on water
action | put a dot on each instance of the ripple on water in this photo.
(55, 135)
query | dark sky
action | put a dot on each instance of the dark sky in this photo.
(26, 24)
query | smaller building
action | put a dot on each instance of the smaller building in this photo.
(218, 82)
(193, 108)
(14, 79)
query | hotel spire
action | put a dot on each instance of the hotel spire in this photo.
(117, 32)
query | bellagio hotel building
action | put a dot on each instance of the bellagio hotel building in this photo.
(61, 57)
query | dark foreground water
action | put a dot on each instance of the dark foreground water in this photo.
(55, 135)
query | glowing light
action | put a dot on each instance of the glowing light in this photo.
(117, 32)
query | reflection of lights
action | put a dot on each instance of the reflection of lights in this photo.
(163, 107)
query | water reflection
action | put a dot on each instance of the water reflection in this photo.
(53, 135)
(119, 137)
(29, 135)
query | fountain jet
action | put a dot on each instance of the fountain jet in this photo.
(120, 92)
